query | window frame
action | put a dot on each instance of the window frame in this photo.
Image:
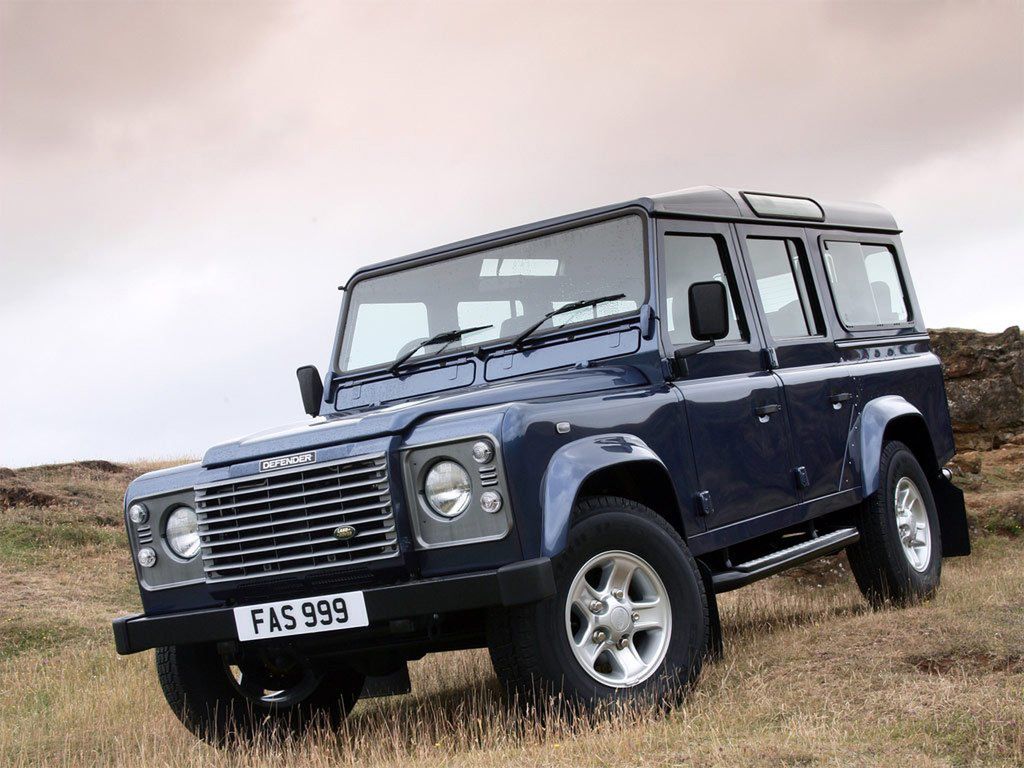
(724, 234)
(811, 292)
(486, 243)
(801, 346)
(894, 251)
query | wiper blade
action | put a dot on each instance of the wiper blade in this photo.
(445, 337)
(571, 307)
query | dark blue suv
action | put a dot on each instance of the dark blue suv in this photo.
(560, 441)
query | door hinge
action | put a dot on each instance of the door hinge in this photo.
(802, 478)
(773, 358)
(704, 505)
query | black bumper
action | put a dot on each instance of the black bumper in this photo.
(514, 584)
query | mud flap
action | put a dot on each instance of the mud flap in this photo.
(395, 684)
(952, 512)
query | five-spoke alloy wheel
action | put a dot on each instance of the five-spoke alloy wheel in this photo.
(618, 618)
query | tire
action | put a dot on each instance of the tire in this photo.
(203, 692)
(885, 569)
(531, 646)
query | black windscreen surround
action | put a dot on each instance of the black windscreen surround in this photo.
(507, 288)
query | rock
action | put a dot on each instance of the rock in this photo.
(985, 384)
(6, 474)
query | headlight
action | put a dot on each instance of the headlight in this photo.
(183, 532)
(448, 488)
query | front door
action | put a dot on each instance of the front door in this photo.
(819, 391)
(734, 405)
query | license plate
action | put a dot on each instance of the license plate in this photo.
(301, 617)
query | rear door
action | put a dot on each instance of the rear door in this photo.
(734, 405)
(820, 393)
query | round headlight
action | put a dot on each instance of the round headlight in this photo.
(448, 488)
(138, 513)
(183, 532)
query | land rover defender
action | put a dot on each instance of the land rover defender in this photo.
(559, 441)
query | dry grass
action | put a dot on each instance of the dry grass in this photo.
(810, 675)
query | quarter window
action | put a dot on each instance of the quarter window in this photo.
(693, 259)
(784, 288)
(866, 284)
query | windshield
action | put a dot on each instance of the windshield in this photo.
(507, 289)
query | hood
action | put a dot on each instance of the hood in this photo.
(396, 418)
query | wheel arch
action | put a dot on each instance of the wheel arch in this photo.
(610, 464)
(891, 418)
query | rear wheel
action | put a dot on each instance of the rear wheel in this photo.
(899, 555)
(629, 617)
(219, 698)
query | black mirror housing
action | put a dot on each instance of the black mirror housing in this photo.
(312, 388)
(709, 311)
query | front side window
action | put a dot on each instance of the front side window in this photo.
(866, 284)
(507, 288)
(693, 259)
(784, 287)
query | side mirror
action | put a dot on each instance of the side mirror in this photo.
(709, 311)
(312, 388)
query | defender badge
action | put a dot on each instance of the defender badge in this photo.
(294, 460)
(344, 532)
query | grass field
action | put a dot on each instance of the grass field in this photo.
(810, 676)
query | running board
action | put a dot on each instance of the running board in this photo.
(762, 567)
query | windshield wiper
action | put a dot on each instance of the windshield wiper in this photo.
(445, 337)
(571, 307)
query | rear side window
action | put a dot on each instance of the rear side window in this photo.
(784, 288)
(693, 259)
(866, 284)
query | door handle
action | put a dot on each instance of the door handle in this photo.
(838, 398)
(767, 410)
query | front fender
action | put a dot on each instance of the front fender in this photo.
(869, 432)
(569, 468)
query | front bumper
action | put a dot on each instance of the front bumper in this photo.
(514, 584)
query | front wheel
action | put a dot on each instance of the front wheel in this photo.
(899, 555)
(219, 698)
(629, 617)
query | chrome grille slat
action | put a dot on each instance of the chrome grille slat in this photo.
(293, 508)
(266, 525)
(340, 550)
(303, 568)
(243, 490)
(320, 516)
(279, 547)
(281, 533)
(299, 495)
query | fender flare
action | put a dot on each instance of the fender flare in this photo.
(869, 433)
(568, 470)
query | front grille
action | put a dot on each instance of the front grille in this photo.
(284, 522)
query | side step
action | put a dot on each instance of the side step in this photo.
(772, 563)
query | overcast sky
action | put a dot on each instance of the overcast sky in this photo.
(183, 186)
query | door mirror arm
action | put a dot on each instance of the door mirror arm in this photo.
(680, 354)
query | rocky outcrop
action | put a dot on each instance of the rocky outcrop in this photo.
(985, 384)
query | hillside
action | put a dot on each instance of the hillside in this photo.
(810, 675)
